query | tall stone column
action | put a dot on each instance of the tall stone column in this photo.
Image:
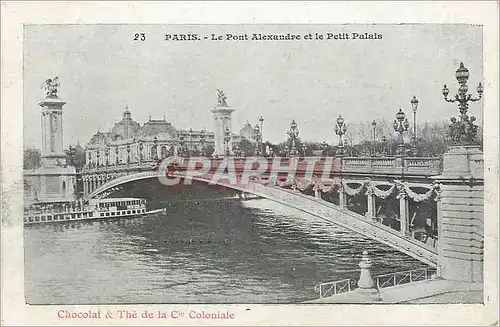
(57, 179)
(222, 120)
(461, 215)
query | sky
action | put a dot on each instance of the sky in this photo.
(102, 69)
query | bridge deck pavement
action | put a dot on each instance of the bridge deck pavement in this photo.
(429, 291)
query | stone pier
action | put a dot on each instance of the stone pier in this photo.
(461, 216)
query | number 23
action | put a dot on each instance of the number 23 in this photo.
(140, 36)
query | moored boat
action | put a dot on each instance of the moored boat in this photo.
(77, 210)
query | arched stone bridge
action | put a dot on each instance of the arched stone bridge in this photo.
(366, 225)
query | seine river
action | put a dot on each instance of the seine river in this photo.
(254, 251)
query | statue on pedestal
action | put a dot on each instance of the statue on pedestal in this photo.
(221, 98)
(50, 86)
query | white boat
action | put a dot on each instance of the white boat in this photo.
(95, 209)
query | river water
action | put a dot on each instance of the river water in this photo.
(230, 251)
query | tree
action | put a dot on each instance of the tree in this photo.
(31, 158)
(247, 147)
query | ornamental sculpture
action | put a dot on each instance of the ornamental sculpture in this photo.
(50, 86)
(221, 98)
(462, 131)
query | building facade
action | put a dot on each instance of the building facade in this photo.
(129, 142)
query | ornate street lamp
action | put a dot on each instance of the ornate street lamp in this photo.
(181, 143)
(155, 146)
(227, 138)
(202, 141)
(256, 137)
(384, 145)
(261, 120)
(374, 126)
(414, 106)
(463, 132)
(293, 134)
(190, 141)
(401, 125)
(324, 146)
(107, 155)
(340, 130)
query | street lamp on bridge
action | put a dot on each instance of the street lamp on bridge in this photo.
(340, 130)
(227, 138)
(401, 125)
(261, 121)
(293, 134)
(190, 141)
(384, 145)
(414, 106)
(374, 127)
(202, 141)
(257, 137)
(464, 131)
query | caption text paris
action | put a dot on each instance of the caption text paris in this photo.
(274, 37)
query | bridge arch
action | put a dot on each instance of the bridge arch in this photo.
(309, 204)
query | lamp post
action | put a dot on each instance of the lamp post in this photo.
(140, 151)
(293, 134)
(190, 141)
(340, 130)
(227, 138)
(261, 121)
(107, 154)
(324, 145)
(414, 106)
(464, 131)
(401, 125)
(374, 126)
(384, 145)
(181, 144)
(202, 141)
(256, 137)
(304, 149)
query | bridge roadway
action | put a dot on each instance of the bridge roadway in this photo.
(306, 203)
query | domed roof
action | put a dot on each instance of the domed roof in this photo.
(125, 128)
(100, 138)
(247, 131)
(158, 128)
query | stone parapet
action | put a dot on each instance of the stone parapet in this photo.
(461, 215)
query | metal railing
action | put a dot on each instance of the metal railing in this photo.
(404, 277)
(382, 281)
(337, 287)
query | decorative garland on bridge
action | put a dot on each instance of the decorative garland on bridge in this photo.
(414, 195)
(379, 193)
(302, 183)
(353, 191)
